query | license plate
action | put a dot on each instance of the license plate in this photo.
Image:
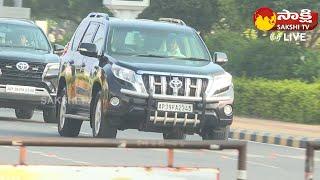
(174, 107)
(20, 89)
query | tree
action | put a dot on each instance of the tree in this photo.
(200, 14)
(73, 10)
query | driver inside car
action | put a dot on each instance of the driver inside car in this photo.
(173, 48)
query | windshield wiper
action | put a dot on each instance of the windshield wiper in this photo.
(192, 58)
(151, 55)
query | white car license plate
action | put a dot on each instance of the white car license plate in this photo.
(174, 107)
(20, 89)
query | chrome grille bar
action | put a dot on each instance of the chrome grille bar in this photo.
(160, 85)
(163, 85)
(151, 84)
(175, 120)
(187, 86)
(198, 88)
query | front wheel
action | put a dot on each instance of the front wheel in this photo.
(221, 133)
(22, 113)
(66, 127)
(101, 126)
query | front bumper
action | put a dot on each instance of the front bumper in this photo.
(40, 99)
(138, 110)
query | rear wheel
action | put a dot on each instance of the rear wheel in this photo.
(216, 134)
(175, 134)
(101, 126)
(66, 127)
(22, 113)
(49, 116)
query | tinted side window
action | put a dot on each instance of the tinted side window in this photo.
(99, 38)
(78, 35)
(88, 36)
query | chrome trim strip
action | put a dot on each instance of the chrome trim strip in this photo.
(174, 74)
(175, 98)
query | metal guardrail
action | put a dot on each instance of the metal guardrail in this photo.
(241, 146)
(309, 166)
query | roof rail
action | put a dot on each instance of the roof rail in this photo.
(172, 20)
(98, 15)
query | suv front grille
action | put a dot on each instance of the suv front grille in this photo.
(160, 84)
(9, 70)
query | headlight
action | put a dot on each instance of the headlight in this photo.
(219, 83)
(123, 73)
(129, 76)
(222, 81)
(51, 70)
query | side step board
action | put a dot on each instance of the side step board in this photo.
(76, 117)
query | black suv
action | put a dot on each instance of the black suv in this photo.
(148, 75)
(28, 69)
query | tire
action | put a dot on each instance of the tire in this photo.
(101, 127)
(49, 116)
(217, 134)
(176, 134)
(24, 113)
(66, 127)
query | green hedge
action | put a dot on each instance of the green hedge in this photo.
(262, 58)
(287, 100)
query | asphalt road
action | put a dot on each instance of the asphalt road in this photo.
(265, 162)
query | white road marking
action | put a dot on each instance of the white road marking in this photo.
(40, 153)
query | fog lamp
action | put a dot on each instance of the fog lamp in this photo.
(114, 101)
(228, 110)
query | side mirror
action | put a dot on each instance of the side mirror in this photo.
(58, 49)
(88, 49)
(220, 58)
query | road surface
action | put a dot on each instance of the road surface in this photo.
(265, 162)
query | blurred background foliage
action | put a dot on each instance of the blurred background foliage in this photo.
(276, 80)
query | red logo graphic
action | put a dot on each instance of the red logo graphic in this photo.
(266, 19)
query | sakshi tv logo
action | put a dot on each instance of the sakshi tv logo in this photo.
(286, 25)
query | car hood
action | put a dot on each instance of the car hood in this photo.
(28, 56)
(168, 65)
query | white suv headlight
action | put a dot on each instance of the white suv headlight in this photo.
(219, 82)
(51, 70)
(129, 76)
(222, 81)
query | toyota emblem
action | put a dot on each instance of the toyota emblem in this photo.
(22, 66)
(175, 84)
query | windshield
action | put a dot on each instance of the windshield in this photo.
(155, 42)
(22, 37)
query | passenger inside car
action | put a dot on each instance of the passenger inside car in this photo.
(173, 48)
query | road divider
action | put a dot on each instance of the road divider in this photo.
(171, 145)
(270, 138)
